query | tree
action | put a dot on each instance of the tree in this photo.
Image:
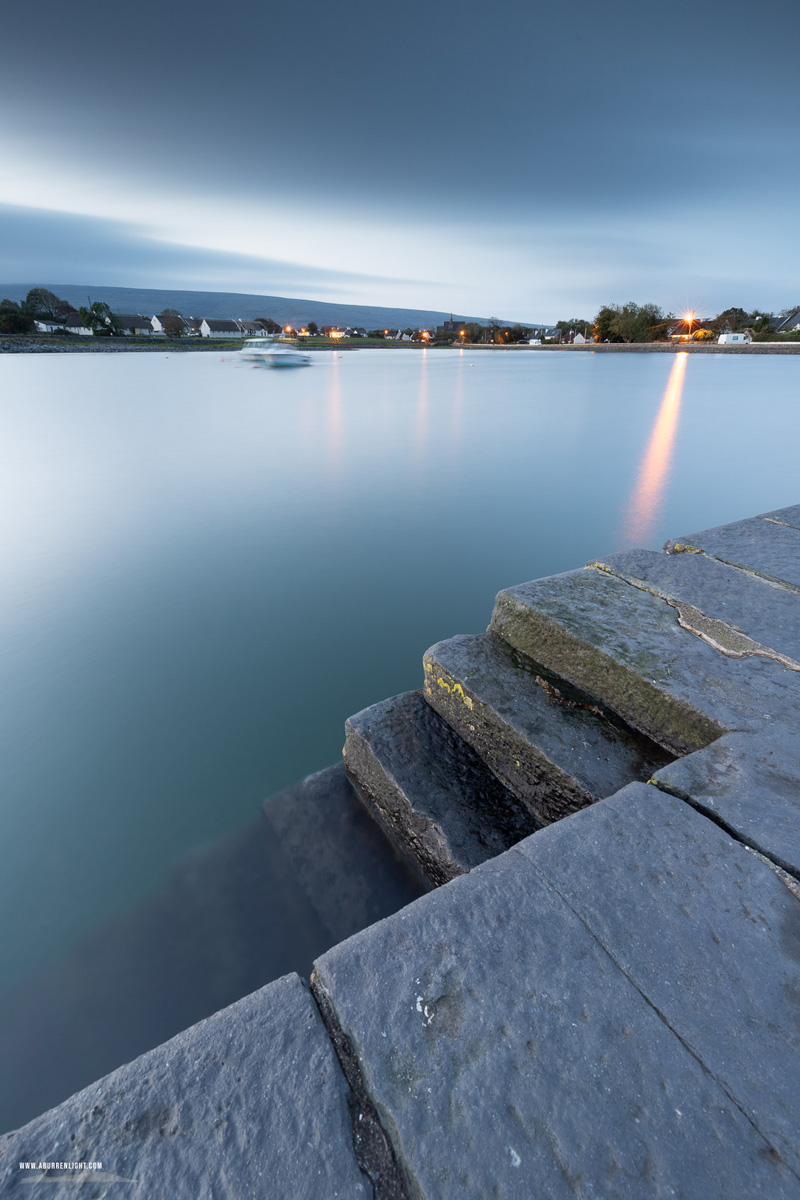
(630, 323)
(172, 323)
(272, 326)
(574, 325)
(42, 304)
(604, 328)
(101, 320)
(313, 328)
(731, 318)
(13, 318)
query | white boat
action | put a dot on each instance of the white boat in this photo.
(269, 353)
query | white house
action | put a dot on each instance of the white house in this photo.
(72, 323)
(735, 339)
(190, 326)
(134, 324)
(212, 327)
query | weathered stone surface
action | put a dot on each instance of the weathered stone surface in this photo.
(784, 516)
(706, 931)
(434, 795)
(342, 864)
(768, 615)
(508, 1056)
(627, 648)
(750, 784)
(250, 1102)
(760, 545)
(557, 752)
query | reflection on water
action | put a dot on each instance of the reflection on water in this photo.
(647, 498)
(458, 403)
(231, 917)
(421, 416)
(335, 420)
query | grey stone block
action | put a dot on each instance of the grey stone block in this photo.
(627, 648)
(707, 932)
(508, 1056)
(762, 546)
(751, 785)
(769, 616)
(251, 1102)
(434, 795)
(552, 747)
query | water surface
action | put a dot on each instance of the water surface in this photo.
(206, 568)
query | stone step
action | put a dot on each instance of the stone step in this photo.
(749, 784)
(607, 1010)
(250, 1102)
(747, 614)
(629, 649)
(768, 546)
(430, 791)
(554, 747)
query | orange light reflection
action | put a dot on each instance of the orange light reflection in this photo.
(648, 493)
(421, 422)
(335, 423)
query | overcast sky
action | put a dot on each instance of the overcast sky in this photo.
(515, 159)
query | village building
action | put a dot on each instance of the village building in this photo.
(216, 328)
(134, 324)
(788, 322)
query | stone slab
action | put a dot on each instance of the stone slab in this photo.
(508, 1056)
(707, 932)
(768, 615)
(251, 1102)
(341, 861)
(749, 784)
(784, 516)
(434, 795)
(762, 546)
(553, 748)
(628, 649)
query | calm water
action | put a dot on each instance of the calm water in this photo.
(206, 569)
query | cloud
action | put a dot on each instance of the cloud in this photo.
(40, 244)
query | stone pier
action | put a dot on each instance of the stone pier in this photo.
(599, 994)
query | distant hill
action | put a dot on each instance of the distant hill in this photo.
(284, 309)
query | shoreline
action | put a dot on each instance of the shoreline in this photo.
(39, 344)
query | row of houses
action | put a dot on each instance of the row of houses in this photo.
(137, 325)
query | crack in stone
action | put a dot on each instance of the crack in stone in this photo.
(725, 638)
(761, 576)
(773, 1149)
(789, 880)
(733, 833)
(786, 524)
(372, 1145)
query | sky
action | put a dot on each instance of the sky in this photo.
(523, 160)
